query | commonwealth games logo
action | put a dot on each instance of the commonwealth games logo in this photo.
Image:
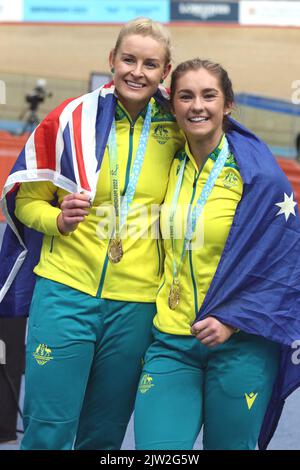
(161, 134)
(42, 354)
(146, 383)
(230, 180)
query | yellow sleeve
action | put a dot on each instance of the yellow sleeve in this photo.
(33, 206)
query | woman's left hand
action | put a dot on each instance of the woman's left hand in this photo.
(211, 331)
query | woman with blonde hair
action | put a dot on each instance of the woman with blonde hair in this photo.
(81, 181)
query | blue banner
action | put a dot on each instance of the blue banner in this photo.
(95, 11)
(204, 11)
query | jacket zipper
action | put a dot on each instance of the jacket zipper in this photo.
(51, 244)
(196, 177)
(160, 287)
(159, 257)
(194, 283)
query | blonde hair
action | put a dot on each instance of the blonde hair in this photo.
(146, 27)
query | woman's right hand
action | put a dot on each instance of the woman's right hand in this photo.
(73, 211)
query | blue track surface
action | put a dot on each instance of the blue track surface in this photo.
(15, 127)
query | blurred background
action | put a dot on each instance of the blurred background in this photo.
(51, 50)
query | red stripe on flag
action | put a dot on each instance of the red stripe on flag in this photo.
(13, 189)
(77, 115)
(45, 138)
(109, 84)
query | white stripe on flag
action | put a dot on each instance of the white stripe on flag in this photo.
(73, 149)
(64, 119)
(30, 153)
(88, 137)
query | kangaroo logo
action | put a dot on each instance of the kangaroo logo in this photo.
(146, 383)
(230, 180)
(161, 134)
(42, 354)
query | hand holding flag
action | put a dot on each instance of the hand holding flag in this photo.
(211, 331)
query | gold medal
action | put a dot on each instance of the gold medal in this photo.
(115, 250)
(174, 296)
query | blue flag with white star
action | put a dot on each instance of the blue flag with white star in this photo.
(257, 283)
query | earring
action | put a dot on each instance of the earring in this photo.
(112, 70)
(161, 80)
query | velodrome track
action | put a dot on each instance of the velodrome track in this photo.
(259, 60)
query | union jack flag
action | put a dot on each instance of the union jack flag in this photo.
(67, 149)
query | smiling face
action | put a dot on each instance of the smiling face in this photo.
(139, 65)
(199, 105)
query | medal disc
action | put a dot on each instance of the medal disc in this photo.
(115, 251)
(174, 296)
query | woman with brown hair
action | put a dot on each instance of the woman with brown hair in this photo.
(228, 303)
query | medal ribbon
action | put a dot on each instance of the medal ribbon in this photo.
(122, 209)
(193, 215)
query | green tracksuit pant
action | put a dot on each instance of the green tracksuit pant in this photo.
(185, 385)
(83, 364)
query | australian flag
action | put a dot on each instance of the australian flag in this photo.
(66, 149)
(257, 283)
